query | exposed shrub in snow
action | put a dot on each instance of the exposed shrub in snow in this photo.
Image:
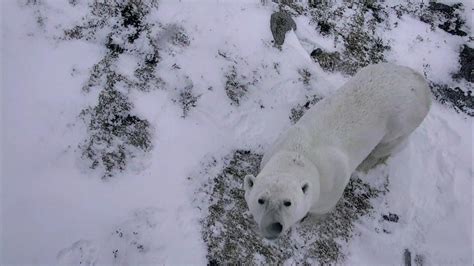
(125, 29)
(118, 15)
(298, 111)
(446, 17)
(104, 71)
(174, 34)
(115, 135)
(238, 77)
(187, 99)
(443, 16)
(458, 99)
(234, 87)
(231, 235)
(363, 49)
(305, 76)
(353, 26)
(329, 61)
(146, 75)
(118, 25)
(466, 60)
(237, 85)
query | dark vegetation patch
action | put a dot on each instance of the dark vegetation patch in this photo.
(115, 135)
(122, 23)
(391, 217)
(456, 98)
(466, 60)
(298, 111)
(187, 99)
(329, 61)
(234, 87)
(238, 84)
(325, 27)
(438, 15)
(238, 80)
(356, 34)
(39, 12)
(231, 235)
(446, 17)
(305, 76)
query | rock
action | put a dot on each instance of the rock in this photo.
(280, 23)
(407, 257)
(466, 59)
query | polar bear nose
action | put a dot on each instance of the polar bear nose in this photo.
(276, 228)
(273, 230)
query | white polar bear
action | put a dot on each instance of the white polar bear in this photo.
(309, 165)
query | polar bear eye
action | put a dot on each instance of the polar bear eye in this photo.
(305, 188)
(287, 203)
(261, 201)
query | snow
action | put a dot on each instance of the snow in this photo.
(55, 210)
(434, 50)
(434, 175)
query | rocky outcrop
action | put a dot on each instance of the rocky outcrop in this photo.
(280, 23)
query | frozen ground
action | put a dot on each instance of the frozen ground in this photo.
(127, 129)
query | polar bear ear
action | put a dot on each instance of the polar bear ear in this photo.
(248, 182)
(305, 187)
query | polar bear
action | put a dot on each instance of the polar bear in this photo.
(308, 167)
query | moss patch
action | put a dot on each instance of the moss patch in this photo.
(456, 98)
(352, 26)
(466, 60)
(298, 111)
(115, 135)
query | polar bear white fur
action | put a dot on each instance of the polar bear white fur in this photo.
(308, 167)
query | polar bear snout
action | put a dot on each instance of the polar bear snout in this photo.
(271, 226)
(274, 230)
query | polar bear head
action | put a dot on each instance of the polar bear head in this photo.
(277, 202)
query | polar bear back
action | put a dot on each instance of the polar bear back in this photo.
(380, 103)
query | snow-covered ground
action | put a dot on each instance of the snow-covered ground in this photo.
(55, 209)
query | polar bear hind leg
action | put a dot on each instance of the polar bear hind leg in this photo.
(381, 152)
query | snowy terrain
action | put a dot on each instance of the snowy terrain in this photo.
(127, 128)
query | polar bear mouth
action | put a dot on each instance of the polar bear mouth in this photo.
(273, 230)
